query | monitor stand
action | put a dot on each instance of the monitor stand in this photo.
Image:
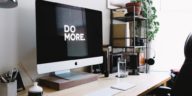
(62, 80)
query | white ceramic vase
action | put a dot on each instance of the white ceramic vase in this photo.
(35, 90)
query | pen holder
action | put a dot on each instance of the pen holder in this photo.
(8, 89)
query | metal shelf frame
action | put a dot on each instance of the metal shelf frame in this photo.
(133, 18)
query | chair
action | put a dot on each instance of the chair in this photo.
(182, 83)
(165, 90)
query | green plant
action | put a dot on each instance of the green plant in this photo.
(150, 12)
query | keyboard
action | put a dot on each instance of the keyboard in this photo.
(123, 86)
(104, 92)
(113, 89)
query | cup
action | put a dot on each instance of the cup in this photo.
(121, 68)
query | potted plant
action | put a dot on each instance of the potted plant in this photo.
(134, 4)
(148, 11)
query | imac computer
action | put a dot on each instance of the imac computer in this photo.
(67, 37)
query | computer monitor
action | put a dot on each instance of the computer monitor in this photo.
(67, 37)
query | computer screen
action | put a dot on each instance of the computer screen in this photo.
(67, 36)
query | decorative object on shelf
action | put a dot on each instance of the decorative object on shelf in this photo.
(134, 7)
(112, 4)
(35, 90)
(134, 64)
(142, 63)
(137, 42)
(8, 3)
(119, 13)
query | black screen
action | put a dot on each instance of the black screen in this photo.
(66, 32)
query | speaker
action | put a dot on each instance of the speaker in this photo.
(134, 61)
(103, 68)
(106, 62)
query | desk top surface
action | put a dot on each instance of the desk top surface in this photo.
(144, 83)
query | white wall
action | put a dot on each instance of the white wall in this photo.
(17, 31)
(8, 39)
(175, 24)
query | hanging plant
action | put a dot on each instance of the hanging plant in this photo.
(150, 12)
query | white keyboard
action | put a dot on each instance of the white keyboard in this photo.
(123, 86)
(104, 92)
(112, 90)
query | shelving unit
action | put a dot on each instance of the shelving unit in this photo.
(130, 18)
(133, 46)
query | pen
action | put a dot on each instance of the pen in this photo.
(14, 76)
(3, 79)
(10, 75)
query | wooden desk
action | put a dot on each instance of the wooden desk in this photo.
(144, 84)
